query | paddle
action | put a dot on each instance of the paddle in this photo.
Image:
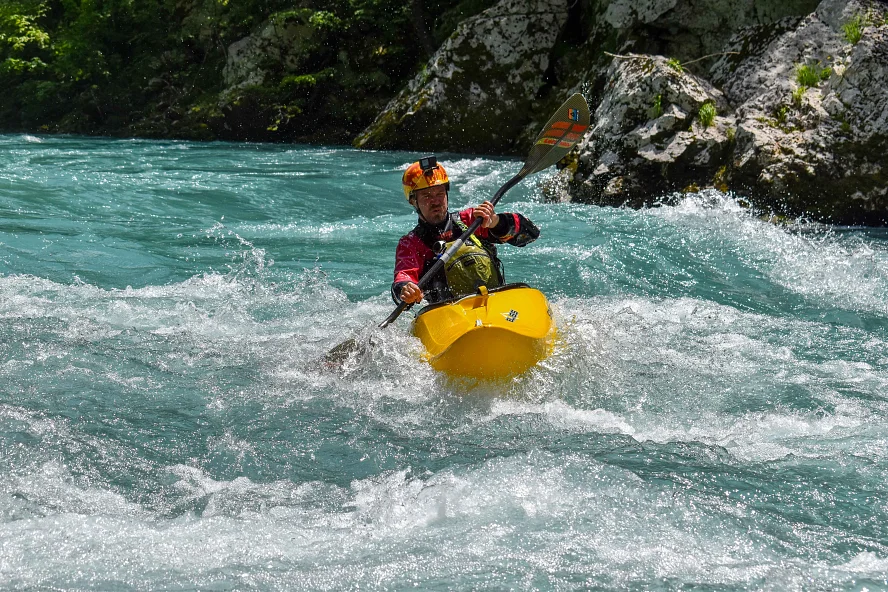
(560, 134)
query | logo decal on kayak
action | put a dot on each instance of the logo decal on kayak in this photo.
(511, 316)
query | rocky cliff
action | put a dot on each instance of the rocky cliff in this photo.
(784, 103)
(475, 92)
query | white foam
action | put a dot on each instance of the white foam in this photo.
(810, 260)
(867, 562)
(562, 514)
(564, 417)
(52, 488)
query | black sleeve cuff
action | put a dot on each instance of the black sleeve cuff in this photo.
(503, 227)
(396, 291)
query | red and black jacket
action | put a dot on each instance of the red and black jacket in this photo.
(415, 256)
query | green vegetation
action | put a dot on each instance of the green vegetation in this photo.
(155, 67)
(853, 28)
(657, 109)
(782, 110)
(22, 41)
(797, 95)
(707, 114)
(809, 76)
(675, 65)
(721, 178)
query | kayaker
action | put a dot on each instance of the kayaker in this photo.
(426, 186)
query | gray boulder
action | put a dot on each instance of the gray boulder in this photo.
(687, 30)
(648, 138)
(280, 43)
(818, 147)
(476, 91)
(801, 126)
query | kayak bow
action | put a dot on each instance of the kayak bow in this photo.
(497, 333)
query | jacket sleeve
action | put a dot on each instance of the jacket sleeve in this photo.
(410, 258)
(512, 228)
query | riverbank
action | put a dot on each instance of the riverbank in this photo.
(781, 103)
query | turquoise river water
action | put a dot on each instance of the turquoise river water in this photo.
(713, 418)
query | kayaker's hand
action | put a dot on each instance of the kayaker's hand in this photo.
(411, 294)
(485, 210)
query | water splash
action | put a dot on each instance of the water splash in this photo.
(712, 416)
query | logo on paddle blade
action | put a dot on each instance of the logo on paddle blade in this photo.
(573, 114)
(511, 316)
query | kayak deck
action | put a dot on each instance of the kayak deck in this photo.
(494, 334)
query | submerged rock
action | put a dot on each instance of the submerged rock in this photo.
(475, 93)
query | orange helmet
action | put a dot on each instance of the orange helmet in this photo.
(424, 173)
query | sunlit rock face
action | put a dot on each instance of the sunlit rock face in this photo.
(818, 148)
(476, 91)
(282, 41)
(773, 100)
(499, 74)
(800, 122)
(651, 134)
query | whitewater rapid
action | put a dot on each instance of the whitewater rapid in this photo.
(713, 416)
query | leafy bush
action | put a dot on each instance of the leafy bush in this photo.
(22, 41)
(707, 114)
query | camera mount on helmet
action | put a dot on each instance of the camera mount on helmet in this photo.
(428, 164)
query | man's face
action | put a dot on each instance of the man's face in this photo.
(432, 203)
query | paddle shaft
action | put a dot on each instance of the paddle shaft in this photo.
(446, 255)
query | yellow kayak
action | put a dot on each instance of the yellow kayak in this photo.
(494, 334)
